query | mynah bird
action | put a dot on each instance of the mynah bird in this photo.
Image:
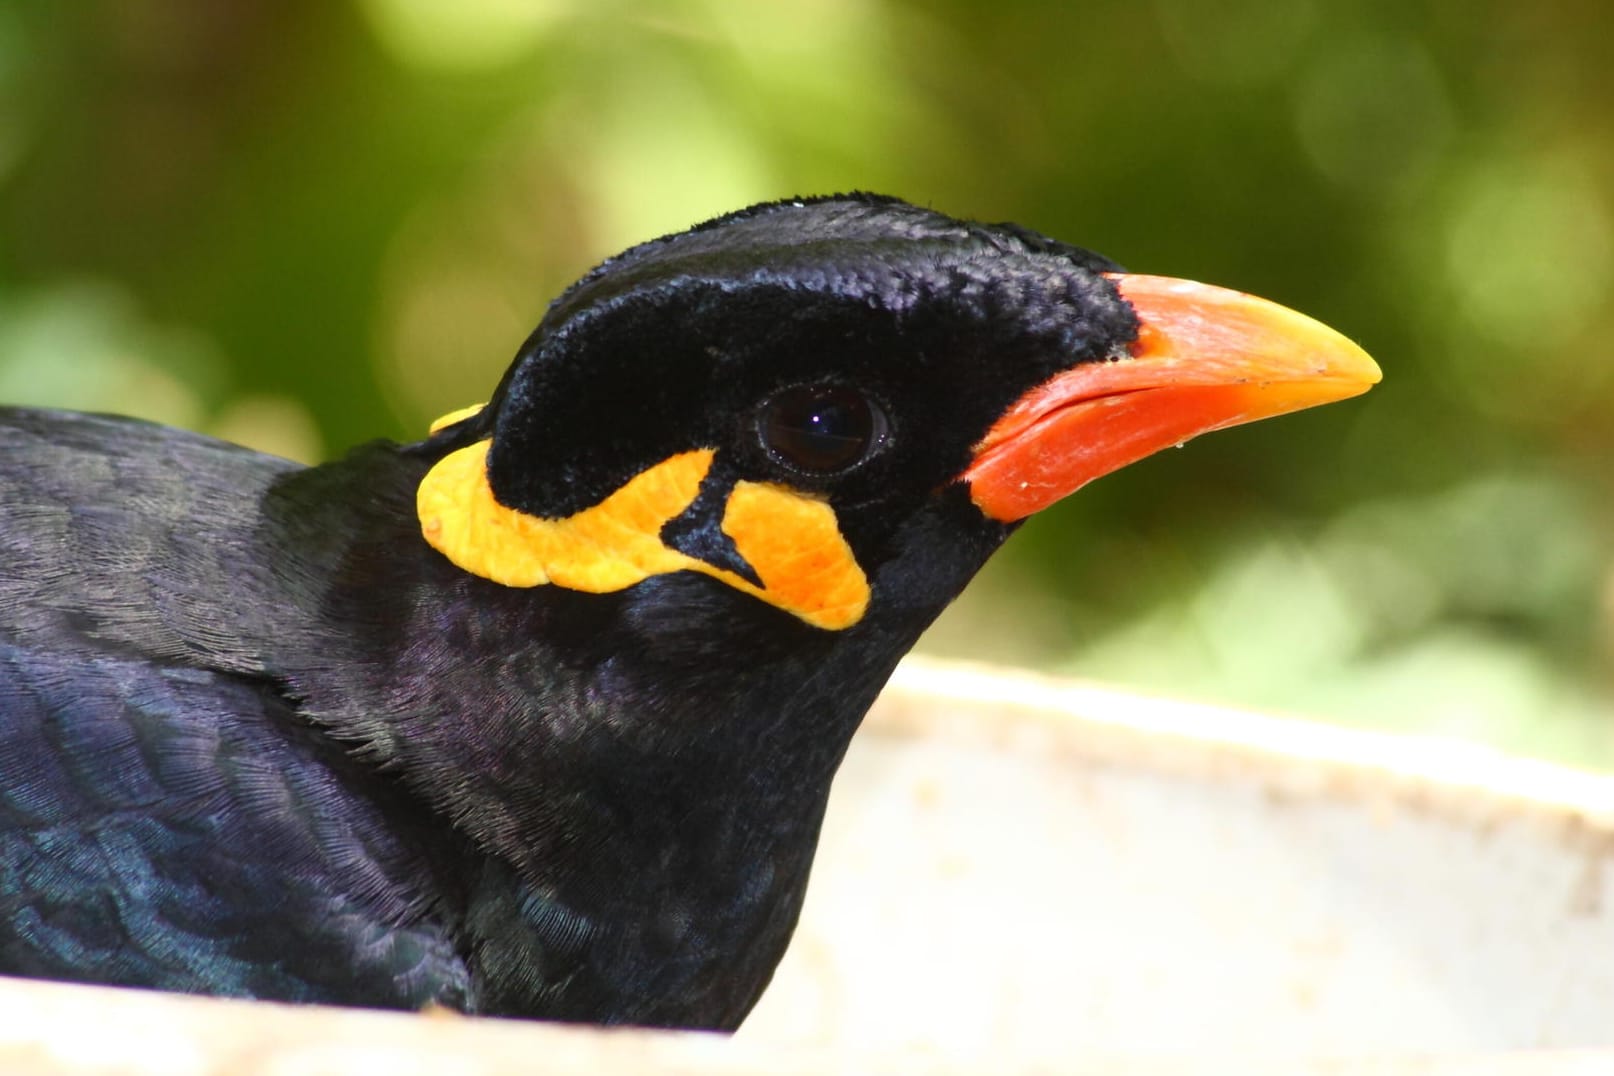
(537, 716)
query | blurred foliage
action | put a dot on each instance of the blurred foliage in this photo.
(305, 224)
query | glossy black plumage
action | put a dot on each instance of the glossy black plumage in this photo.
(258, 738)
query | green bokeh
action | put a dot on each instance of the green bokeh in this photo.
(308, 224)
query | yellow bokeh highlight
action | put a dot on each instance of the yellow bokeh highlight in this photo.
(465, 36)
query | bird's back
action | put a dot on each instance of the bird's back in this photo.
(167, 817)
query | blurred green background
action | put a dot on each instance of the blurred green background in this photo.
(305, 224)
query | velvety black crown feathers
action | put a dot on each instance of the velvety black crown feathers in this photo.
(854, 219)
(674, 344)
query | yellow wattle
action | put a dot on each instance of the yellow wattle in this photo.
(795, 544)
(452, 417)
(791, 540)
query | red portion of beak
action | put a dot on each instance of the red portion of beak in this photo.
(1205, 358)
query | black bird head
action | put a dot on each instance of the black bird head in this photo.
(781, 398)
(726, 484)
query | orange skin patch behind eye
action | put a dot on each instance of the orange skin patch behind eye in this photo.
(795, 544)
(792, 541)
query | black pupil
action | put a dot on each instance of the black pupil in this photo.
(820, 429)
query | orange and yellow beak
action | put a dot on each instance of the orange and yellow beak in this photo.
(1205, 358)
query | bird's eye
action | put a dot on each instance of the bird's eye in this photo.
(821, 429)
